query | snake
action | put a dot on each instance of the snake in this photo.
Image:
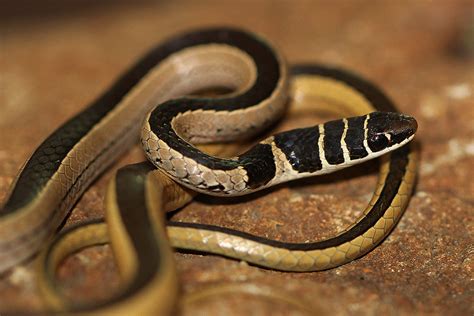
(155, 100)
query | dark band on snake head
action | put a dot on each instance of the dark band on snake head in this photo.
(355, 144)
(299, 148)
(332, 142)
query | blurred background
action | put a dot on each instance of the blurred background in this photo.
(56, 56)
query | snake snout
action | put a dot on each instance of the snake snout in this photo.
(388, 130)
(410, 124)
(401, 127)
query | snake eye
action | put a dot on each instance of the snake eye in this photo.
(379, 142)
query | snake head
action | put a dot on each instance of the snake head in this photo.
(387, 130)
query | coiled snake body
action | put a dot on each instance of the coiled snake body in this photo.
(66, 163)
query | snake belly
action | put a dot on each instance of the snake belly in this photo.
(218, 57)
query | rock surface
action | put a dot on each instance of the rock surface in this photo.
(55, 59)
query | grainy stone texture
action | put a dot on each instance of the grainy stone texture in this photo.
(57, 58)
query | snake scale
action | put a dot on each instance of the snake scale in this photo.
(151, 92)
